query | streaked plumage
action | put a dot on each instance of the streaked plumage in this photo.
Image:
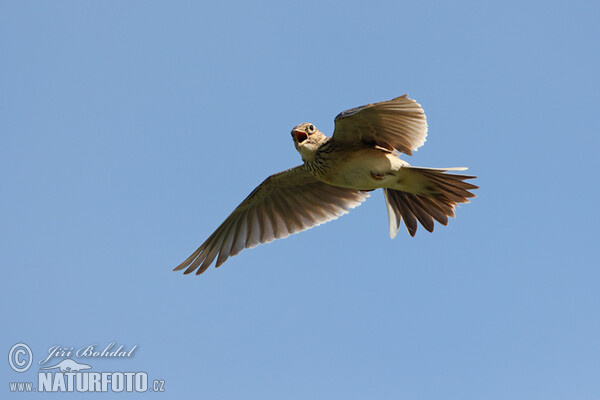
(338, 172)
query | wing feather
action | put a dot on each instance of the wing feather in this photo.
(285, 203)
(253, 238)
(399, 123)
(241, 233)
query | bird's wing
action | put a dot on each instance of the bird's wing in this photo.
(285, 203)
(398, 124)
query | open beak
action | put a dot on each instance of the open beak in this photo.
(300, 136)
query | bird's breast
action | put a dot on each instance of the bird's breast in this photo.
(363, 169)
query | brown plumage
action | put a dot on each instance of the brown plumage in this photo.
(337, 173)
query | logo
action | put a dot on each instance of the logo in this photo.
(68, 365)
(69, 375)
(17, 356)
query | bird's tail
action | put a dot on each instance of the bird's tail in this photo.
(424, 195)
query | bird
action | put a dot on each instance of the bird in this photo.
(337, 174)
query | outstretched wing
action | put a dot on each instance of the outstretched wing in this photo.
(398, 124)
(285, 203)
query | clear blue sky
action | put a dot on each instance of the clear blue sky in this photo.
(131, 130)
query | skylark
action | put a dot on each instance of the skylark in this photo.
(336, 176)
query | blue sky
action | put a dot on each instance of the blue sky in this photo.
(130, 130)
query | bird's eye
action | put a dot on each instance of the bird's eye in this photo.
(311, 128)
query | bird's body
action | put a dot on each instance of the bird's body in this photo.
(337, 174)
(361, 167)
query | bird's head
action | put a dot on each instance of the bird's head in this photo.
(307, 139)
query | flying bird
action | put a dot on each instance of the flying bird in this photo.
(337, 175)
